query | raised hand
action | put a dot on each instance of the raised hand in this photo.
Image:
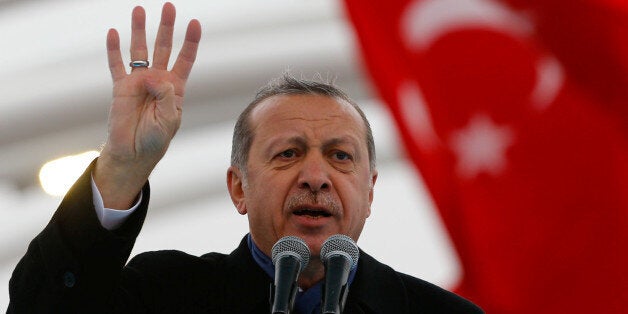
(146, 110)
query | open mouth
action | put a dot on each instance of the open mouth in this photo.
(312, 212)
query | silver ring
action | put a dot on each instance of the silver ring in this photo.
(139, 64)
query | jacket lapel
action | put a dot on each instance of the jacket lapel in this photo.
(376, 289)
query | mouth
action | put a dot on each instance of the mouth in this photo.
(312, 212)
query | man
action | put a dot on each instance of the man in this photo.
(303, 164)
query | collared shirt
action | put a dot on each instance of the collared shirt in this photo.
(307, 301)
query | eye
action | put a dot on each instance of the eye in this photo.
(289, 153)
(342, 156)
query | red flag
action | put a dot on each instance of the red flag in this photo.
(516, 115)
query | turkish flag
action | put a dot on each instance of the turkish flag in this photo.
(516, 115)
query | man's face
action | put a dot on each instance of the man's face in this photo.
(308, 171)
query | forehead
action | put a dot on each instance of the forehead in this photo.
(307, 112)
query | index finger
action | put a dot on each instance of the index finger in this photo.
(183, 66)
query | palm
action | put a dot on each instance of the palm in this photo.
(141, 124)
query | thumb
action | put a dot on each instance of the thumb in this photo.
(166, 108)
(161, 90)
(166, 101)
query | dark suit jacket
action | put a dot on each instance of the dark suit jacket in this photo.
(76, 266)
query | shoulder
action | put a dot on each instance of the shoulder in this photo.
(432, 298)
(157, 274)
(173, 265)
(173, 258)
(411, 293)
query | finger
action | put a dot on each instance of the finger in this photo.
(138, 35)
(187, 55)
(163, 43)
(114, 56)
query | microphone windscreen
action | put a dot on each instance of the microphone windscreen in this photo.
(291, 245)
(340, 244)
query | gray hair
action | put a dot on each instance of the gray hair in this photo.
(288, 85)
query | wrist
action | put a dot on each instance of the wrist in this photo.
(119, 182)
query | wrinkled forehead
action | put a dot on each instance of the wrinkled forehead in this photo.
(306, 109)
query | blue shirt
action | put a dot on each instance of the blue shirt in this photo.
(306, 302)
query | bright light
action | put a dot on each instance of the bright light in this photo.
(57, 176)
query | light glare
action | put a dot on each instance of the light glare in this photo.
(57, 176)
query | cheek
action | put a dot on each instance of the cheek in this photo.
(360, 190)
(265, 196)
(355, 200)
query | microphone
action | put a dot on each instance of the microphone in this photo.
(290, 256)
(339, 255)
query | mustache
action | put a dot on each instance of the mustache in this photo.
(304, 198)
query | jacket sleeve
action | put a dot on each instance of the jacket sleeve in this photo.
(74, 265)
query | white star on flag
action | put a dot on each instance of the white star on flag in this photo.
(481, 147)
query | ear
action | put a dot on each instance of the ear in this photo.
(373, 180)
(235, 184)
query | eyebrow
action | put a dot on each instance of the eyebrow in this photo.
(301, 142)
(338, 141)
(348, 140)
(298, 141)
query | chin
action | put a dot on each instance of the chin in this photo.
(315, 241)
(313, 238)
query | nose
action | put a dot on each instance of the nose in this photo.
(314, 175)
